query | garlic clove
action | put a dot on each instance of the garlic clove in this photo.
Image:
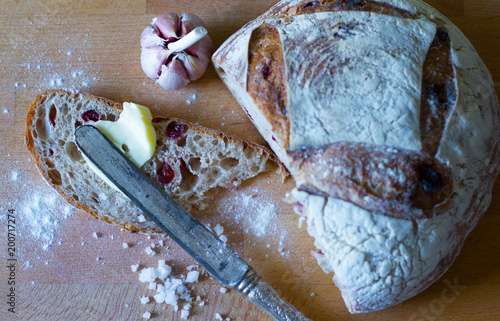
(152, 60)
(173, 75)
(202, 49)
(168, 24)
(151, 37)
(194, 66)
(190, 21)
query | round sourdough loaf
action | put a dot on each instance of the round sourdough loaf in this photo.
(389, 122)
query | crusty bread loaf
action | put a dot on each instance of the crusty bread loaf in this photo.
(389, 122)
(188, 161)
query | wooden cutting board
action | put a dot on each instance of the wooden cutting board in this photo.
(94, 46)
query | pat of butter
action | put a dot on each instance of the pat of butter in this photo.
(133, 133)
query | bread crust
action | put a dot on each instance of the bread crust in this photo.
(44, 145)
(348, 183)
(403, 184)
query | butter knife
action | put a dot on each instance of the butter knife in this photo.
(214, 255)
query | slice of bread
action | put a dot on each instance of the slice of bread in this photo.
(188, 161)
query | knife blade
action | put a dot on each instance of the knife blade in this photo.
(214, 255)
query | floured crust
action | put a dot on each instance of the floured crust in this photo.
(270, 95)
(399, 183)
(188, 161)
(364, 80)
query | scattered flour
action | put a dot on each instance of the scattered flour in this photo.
(191, 98)
(253, 213)
(41, 215)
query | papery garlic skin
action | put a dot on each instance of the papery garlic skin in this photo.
(173, 68)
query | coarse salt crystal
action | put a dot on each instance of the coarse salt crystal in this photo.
(222, 290)
(169, 289)
(147, 275)
(163, 272)
(218, 229)
(192, 277)
(94, 235)
(134, 267)
(146, 315)
(184, 314)
(144, 300)
(141, 218)
(14, 176)
(125, 245)
(223, 238)
(150, 251)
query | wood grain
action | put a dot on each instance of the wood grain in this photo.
(94, 46)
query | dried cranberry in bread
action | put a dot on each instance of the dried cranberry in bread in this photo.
(389, 122)
(188, 161)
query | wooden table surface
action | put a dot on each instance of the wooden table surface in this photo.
(94, 46)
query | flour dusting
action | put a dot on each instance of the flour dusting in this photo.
(253, 213)
(41, 216)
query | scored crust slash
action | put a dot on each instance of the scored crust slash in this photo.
(389, 122)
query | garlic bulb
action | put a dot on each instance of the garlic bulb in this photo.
(175, 49)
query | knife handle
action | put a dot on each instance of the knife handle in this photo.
(263, 295)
